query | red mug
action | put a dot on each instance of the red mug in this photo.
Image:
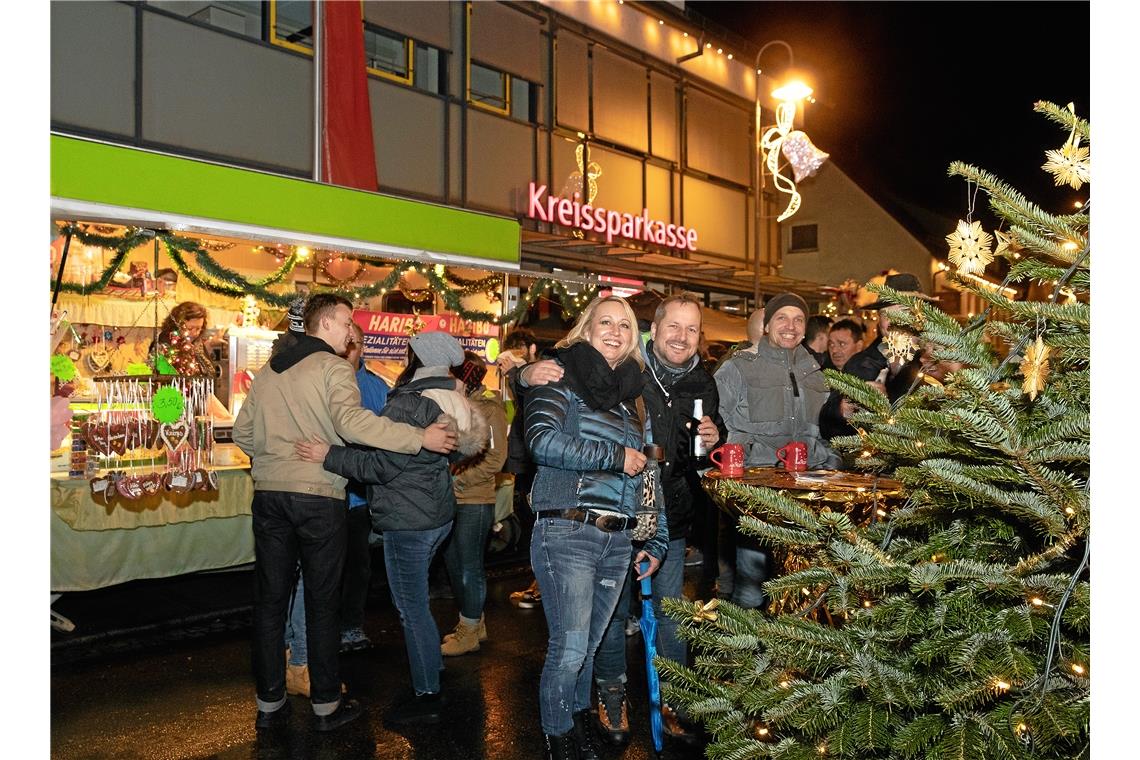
(731, 462)
(793, 456)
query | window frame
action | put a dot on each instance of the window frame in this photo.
(409, 56)
(507, 83)
(281, 42)
(792, 238)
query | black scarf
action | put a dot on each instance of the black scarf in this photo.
(589, 375)
(302, 347)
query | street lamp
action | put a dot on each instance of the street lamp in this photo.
(788, 95)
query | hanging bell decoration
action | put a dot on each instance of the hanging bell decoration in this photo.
(805, 158)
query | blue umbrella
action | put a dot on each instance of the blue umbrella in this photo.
(649, 636)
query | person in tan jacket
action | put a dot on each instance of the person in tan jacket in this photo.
(307, 391)
(474, 483)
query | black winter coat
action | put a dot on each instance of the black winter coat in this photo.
(405, 491)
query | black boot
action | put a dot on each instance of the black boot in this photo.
(584, 738)
(612, 718)
(560, 747)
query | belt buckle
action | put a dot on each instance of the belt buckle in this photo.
(609, 523)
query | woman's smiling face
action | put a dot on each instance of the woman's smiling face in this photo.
(611, 332)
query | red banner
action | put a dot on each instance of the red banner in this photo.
(347, 154)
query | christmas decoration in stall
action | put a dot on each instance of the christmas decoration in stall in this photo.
(965, 613)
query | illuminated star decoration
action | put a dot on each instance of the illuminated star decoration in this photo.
(899, 347)
(1035, 368)
(705, 612)
(1069, 165)
(970, 248)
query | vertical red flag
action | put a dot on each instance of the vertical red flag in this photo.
(347, 154)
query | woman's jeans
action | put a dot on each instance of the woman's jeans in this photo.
(609, 663)
(407, 556)
(464, 555)
(580, 570)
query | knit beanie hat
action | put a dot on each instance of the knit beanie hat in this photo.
(297, 316)
(437, 349)
(779, 301)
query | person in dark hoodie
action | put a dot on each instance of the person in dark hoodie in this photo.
(413, 502)
(307, 390)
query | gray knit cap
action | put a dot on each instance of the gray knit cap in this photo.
(437, 349)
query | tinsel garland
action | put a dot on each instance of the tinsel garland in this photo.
(219, 279)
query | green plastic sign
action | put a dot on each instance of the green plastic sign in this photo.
(138, 368)
(492, 349)
(168, 404)
(163, 366)
(62, 368)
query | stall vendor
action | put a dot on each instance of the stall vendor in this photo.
(181, 343)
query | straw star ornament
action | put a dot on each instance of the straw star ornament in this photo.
(970, 248)
(1035, 368)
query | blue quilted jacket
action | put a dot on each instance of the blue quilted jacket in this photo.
(580, 453)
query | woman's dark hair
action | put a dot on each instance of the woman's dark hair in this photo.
(414, 363)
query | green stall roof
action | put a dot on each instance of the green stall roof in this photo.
(95, 181)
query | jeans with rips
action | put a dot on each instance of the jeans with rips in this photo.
(609, 663)
(464, 553)
(407, 557)
(286, 527)
(580, 570)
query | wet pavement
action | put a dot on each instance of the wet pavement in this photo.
(161, 669)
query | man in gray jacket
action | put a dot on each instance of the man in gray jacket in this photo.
(770, 395)
(308, 391)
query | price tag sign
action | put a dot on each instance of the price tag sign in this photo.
(163, 366)
(138, 368)
(492, 349)
(168, 404)
(62, 368)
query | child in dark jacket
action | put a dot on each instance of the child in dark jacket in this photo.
(413, 502)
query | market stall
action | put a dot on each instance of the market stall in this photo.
(143, 482)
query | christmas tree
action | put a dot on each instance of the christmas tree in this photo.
(958, 625)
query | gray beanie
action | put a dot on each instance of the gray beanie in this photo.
(779, 301)
(437, 349)
(297, 315)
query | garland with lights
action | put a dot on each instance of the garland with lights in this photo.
(966, 611)
(216, 278)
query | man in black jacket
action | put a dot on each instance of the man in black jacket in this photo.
(871, 364)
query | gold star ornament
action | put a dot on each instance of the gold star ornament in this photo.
(970, 248)
(1069, 165)
(1035, 368)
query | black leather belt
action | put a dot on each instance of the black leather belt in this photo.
(607, 523)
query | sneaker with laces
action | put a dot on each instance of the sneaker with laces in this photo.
(529, 597)
(612, 717)
(354, 640)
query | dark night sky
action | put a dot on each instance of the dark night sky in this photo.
(904, 88)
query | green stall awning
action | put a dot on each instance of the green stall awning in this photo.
(96, 181)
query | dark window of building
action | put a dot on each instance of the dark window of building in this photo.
(387, 54)
(805, 237)
(430, 69)
(291, 24)
(490, 88)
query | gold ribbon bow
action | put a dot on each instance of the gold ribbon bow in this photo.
(705, 612)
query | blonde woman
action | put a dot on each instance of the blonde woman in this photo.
(585, 433)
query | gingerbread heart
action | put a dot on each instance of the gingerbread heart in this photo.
(96, 435)
(179, 481)
(151, 484)
(102, 490)
(129, 487)
(152, 430)
(117, 438)
(211, 480)
(172, 434)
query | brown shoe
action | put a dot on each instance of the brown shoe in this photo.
(482, 630)
(612, 717)
(674, 729)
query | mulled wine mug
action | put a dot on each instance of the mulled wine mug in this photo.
(793, 456)
(729, 458)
